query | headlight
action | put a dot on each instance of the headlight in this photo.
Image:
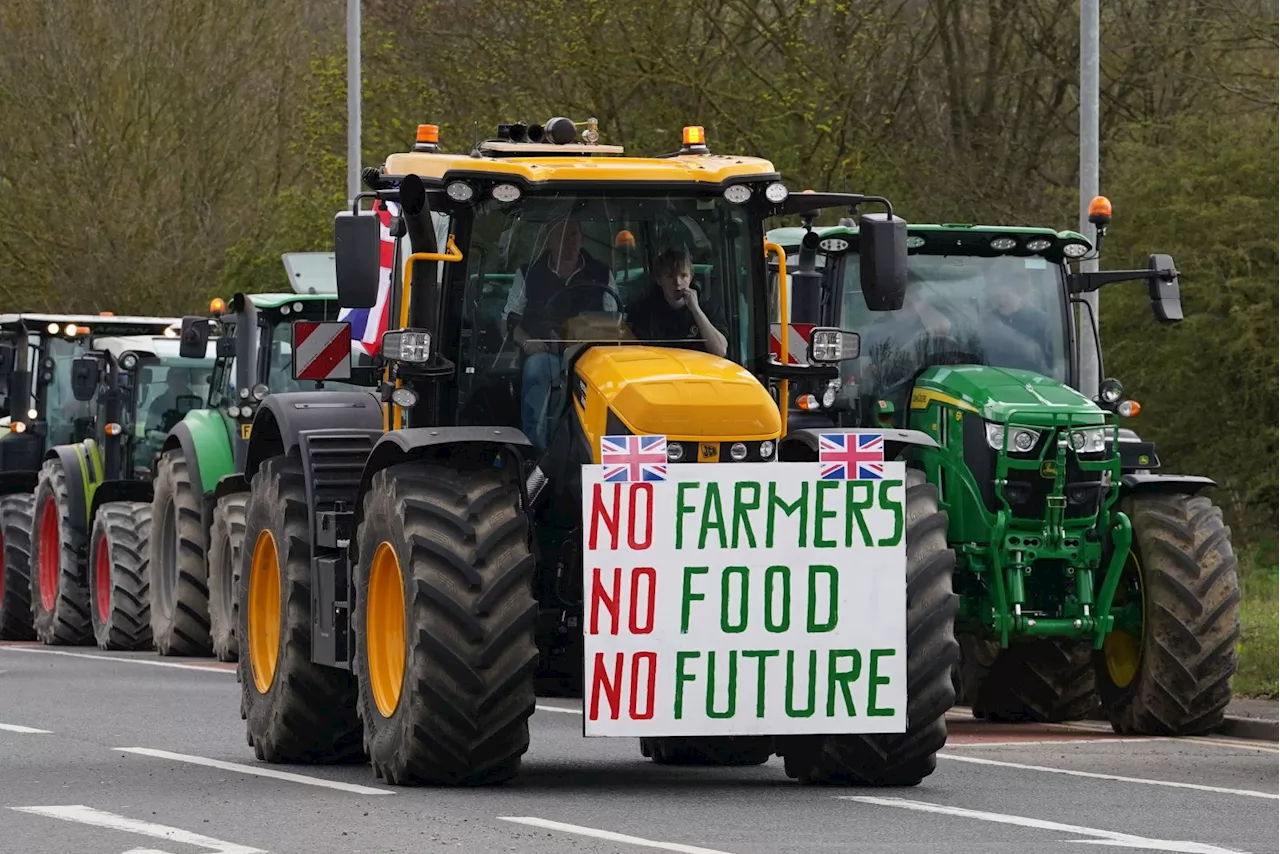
(766, 450)
(1091, 441)
(1039, 244)
(260, 391)
(738, 452)
(675, 452)
(1021, 439)
(737, 193)
(407, 345)
(233, 411)
(776, 192)
(1003, 244)
(405, 398)
(506, 193)
(1075, 250)
(129, 361)
(833, 345)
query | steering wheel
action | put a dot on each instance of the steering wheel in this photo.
(953, 353)
(585, 286)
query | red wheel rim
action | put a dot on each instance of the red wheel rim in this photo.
(50, 544)
(102, 579)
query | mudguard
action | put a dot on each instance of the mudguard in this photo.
(206, 446)
(119, 490)
(84, 473)
(895, 440)
(1164, 484)
(400, 445)
(282, 417)
(18, 482)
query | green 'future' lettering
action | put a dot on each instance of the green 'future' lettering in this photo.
(762, 657)
(844, 677)
(711, 685)
(807, 711)
(681, 677)
(876, 679)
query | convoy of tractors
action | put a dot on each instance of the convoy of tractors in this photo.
(399, 542)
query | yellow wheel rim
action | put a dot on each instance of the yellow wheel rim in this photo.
(1120, 649)
(264, 611)
(385, 629)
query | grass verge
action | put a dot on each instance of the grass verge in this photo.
(1260, 625)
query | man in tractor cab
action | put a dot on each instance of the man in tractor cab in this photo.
(1016, 332)
(168, 408)
(674, 311)
(536, 307)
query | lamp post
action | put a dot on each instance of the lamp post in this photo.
(1090, 369)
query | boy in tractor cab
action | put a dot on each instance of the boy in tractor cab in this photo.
(673, 312)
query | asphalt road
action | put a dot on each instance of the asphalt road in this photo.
(107, 753)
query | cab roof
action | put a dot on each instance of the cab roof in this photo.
(90, 320)
(790, 235)
(275, 300)
(165, 347)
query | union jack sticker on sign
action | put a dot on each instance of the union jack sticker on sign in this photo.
(633, 458)
(321, 351)
(851, 456)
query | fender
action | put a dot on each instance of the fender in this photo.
(119, 490)
(19, 455)
(805, 441)
(18, 482)
(1163, 484)
(282, 416)
(415, 442)
(206, 445)
(228, 485)
(83, 469)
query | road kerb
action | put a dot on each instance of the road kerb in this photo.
(1232, 726)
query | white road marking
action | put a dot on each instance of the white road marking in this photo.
(609, 835)
(953, 745)
(256, 770)
(561, 709)
(1248, 793)
(98, 818)
(25, 729)
(148, 661)
(1103, 837)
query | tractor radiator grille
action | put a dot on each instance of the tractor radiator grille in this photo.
(335, 462)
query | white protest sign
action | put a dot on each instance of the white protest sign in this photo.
(741, 598)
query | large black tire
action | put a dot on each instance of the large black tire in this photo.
(463, 548)
(1183, 567)
(118, 555)
(977, 656)
(15, 571)
(59, 594)
(1039, 680)
(711, 751)
(226, 539)
(303, 712)
(179, 577)
(907, 758)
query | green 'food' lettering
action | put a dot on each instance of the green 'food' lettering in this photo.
(711, 685)
(681, 677)
(844, 677)
(687, 596)
(807, 711)
(762, 657)
(683, 509)
(833, 598)
(853, 510)
(725, 625)
(874, 678)
(819, 514)
(741, 520)
(894, 505)
(770, 576)
(800, 505)
(712, 516)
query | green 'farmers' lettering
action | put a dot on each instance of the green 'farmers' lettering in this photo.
(683, 509)
(844, 677)
(740, 507)
(770, 576)
(819, 514)
(687, 596)
(681, 677)
(712, 516)
(711, 685)
(740, 572)
(807, 711)
(896, 506)
(762, 657)
(875, 679)
(853, 510)
(800, 505)
(833, 598)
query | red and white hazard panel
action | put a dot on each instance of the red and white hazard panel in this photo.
(321, 351)
(797, 342)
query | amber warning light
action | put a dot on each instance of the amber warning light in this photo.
(1100, 210)
(216, 305)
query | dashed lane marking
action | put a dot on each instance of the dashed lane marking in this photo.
(1248, 793)
(596, 833)
(204, 667)
(1101, 837)
(28, 730)
(288, 776)
(82, 814)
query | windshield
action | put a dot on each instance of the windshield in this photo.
(69, 420)
(1007, 312)
(277, 337)
(556, 272)
(163, 394)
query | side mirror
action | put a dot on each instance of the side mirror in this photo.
(828, 345)
(1162, 287)
(357, 253)
(84, 377)
(195, 338)
(882, 249)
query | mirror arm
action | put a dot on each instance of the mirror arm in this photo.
(1083, 283)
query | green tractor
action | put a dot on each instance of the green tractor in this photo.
(1090, 584)
(200, 492)
(90, 539)
(37, 352)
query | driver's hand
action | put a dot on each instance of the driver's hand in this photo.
(532, 346)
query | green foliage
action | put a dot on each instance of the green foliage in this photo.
(1260, 625)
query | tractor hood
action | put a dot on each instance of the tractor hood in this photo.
(997, 394)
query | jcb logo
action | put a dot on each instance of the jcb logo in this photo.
(708, 453)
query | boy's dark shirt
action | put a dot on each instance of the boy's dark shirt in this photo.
(653, 319)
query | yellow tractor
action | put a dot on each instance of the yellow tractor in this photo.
(576, 472)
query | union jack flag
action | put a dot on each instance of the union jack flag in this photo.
(628, 458)
(851, 456)
(368, 324)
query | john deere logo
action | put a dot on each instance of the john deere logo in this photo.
(1048, 470)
